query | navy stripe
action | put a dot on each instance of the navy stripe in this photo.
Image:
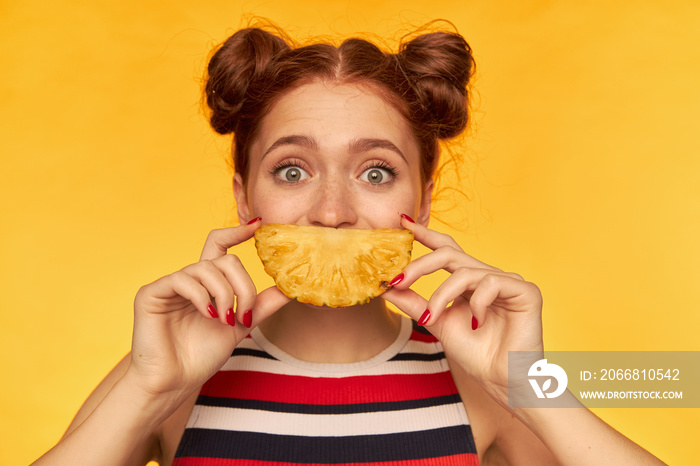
(419, 329)
(419, 356)
(252, 352)
(328, 409)
(435, 443)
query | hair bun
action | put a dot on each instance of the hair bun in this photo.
(237, 64)
(438, 67)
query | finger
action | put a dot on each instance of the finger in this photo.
(182, 284)
(220, 240)
(430, 238)
(241, 283)
(508, 292)
(216, 284)
(267, 303)
(435, 241)
(463, 283)
(445, 258)
(455, 286)
(409, 302)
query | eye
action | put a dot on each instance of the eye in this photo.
(378, 175)
(292, 174)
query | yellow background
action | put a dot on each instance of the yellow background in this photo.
(583, 177)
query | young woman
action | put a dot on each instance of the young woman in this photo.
(220, 373)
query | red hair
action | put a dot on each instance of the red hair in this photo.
(426, 81)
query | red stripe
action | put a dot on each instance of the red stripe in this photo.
(417, 336)
(467, 459)
(249, 385)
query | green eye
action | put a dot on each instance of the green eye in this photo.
(292, 174)
(376, 175)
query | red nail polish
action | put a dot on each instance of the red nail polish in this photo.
(397, 279)
(248, 318)
(250, 222)
(424, 318)
(212, 311)
(230, 317)
(408, 218)
(475, 323)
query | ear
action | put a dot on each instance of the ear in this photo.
(424, 213)
(239, 192)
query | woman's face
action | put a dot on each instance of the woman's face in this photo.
(335, 156)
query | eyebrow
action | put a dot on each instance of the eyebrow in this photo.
(367, 144)
(355, 146)
(294, 140)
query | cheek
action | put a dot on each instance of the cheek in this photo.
(384, 211)
(276, 207)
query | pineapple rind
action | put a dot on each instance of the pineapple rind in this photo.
(332, 267)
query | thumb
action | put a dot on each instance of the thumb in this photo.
(220, 240)
(267, 303)
(413, 305)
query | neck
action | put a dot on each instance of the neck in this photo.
(328, 335)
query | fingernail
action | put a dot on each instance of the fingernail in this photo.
(250, 222)
(230, 317)
(475, 323)
(397, 279)
(212, 311)
(248, 318)
(424, 318)
(408, 218)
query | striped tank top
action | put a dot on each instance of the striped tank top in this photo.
(266, 408)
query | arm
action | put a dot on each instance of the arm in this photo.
(179, 341)
(576, 436)
(499, 436)
(116, 425)
(540, 437)
(493, 312)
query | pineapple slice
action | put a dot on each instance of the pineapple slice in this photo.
(329, 266)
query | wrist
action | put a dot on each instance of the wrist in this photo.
(538, 419)
(153, 406)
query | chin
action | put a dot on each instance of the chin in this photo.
(328, 308)
(320, 308)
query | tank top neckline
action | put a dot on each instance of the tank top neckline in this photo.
(382, 357)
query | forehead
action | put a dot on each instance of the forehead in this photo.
(334, 114)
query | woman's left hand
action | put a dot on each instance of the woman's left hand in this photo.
(492, 312)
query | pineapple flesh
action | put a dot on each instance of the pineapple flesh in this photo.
(329, 266)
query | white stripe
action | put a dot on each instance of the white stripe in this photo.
(248, 343)
(413, 346)
(291, 366)
(328, 425)
(253, 363)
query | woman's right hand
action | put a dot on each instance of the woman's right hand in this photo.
(184, 323)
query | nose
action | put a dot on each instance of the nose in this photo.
(333, 206)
